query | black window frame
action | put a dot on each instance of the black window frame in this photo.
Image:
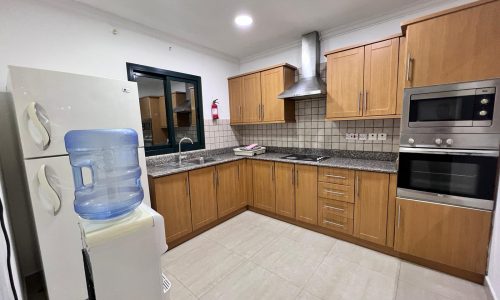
(168, 76)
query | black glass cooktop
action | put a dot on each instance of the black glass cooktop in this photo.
(305, 157)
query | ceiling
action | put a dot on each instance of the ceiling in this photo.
(276, 22)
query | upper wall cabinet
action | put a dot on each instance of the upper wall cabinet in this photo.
(362, 82)
(253, 97)
(460, 44)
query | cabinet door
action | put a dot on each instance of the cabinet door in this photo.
(370, 208)
(460, 46)
(344, 75)
(306, 194)
(251, 98)
(264, 185)
(228, 186)
(171, 194)
(381, 78)
(241, 200)
(285, 189)
(451, 235)
(203, 197)
(248, 181)
(236, 99)
(401, 75)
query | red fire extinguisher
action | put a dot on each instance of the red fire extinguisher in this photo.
(215, 110)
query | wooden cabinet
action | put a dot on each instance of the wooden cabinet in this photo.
(264, 194)
(228, 188)
(362, 82)
(344, 83)
(285, 189)
(253, 96)
(381, 78)
(248, 182)
(451, 235)
(370, 211)
(461, 44)
(171, 200)
(236, 95)
(153, 112)
(306, 194)
(202, 187)
(273, 82)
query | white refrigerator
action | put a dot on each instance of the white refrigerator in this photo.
(46, 105)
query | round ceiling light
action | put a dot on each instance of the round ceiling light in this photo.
(243, 20)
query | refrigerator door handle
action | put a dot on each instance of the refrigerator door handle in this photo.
(34, 114)
(52, 202)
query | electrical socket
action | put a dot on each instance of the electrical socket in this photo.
(372, 136)
(363, 136)
(382, 136)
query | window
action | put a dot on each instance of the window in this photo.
(171, 108)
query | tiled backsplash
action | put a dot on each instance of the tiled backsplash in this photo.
(312, 131)
(309, 131)
(219, 134)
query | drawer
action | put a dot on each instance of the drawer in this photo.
(336, 175)
(337, 223)
(336, 191)
(340, 208)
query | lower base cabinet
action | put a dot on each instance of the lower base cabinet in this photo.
(451, 235)
(264, 187)
(285, 189)
(306, 194)
(202, 186)
(229, 188)
(171, 200)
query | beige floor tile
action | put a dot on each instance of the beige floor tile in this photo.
(375, 261)
(202, 267)
(407, 291)
(253, 240)
(292, 260)
(173, 254)
(178, 291)
(274, 225)
(440, 283)
(249, 281)
(304, 295)
(308, 237)
(340, 279)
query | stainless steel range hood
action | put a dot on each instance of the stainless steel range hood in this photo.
(310, 84)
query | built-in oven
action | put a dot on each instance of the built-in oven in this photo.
(450, 141)
(454, 176)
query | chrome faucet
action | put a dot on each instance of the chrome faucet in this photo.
(180, 150)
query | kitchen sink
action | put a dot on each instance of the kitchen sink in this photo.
(199, 160)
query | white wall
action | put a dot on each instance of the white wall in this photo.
(493, 278)
(329, 40)
(40, 35)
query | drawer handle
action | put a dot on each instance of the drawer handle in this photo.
(334, 208)
(333, 223)
(335, 176)
(334, 192)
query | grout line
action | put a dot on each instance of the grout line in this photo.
(396, 286)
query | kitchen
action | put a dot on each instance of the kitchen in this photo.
(392, 198)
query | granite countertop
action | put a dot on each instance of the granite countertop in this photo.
(159, 166)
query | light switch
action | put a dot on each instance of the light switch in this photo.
(382, 136)
(363, 136)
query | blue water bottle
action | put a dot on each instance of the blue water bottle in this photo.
(110, 155)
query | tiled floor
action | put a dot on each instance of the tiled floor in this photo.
(255, 257)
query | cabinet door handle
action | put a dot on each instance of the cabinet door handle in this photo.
(297, 177)
(258, 112)
(399, 214)
(357, 185)
(272, 170)
(187, 186)
(214, 178)
(263, 112)
(333, 207)
(240, 113)
(333, 223)
(359, 102)
(334, 192)
(409, 67)
(335, 176)
(217, 177)
(365, 101)
(293, 176)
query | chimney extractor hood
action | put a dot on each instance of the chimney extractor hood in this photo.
(310, 84)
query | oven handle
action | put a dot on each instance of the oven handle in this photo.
(491, 153)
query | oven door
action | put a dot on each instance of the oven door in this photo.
(459, 177)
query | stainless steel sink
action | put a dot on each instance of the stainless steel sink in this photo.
(200, 160)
